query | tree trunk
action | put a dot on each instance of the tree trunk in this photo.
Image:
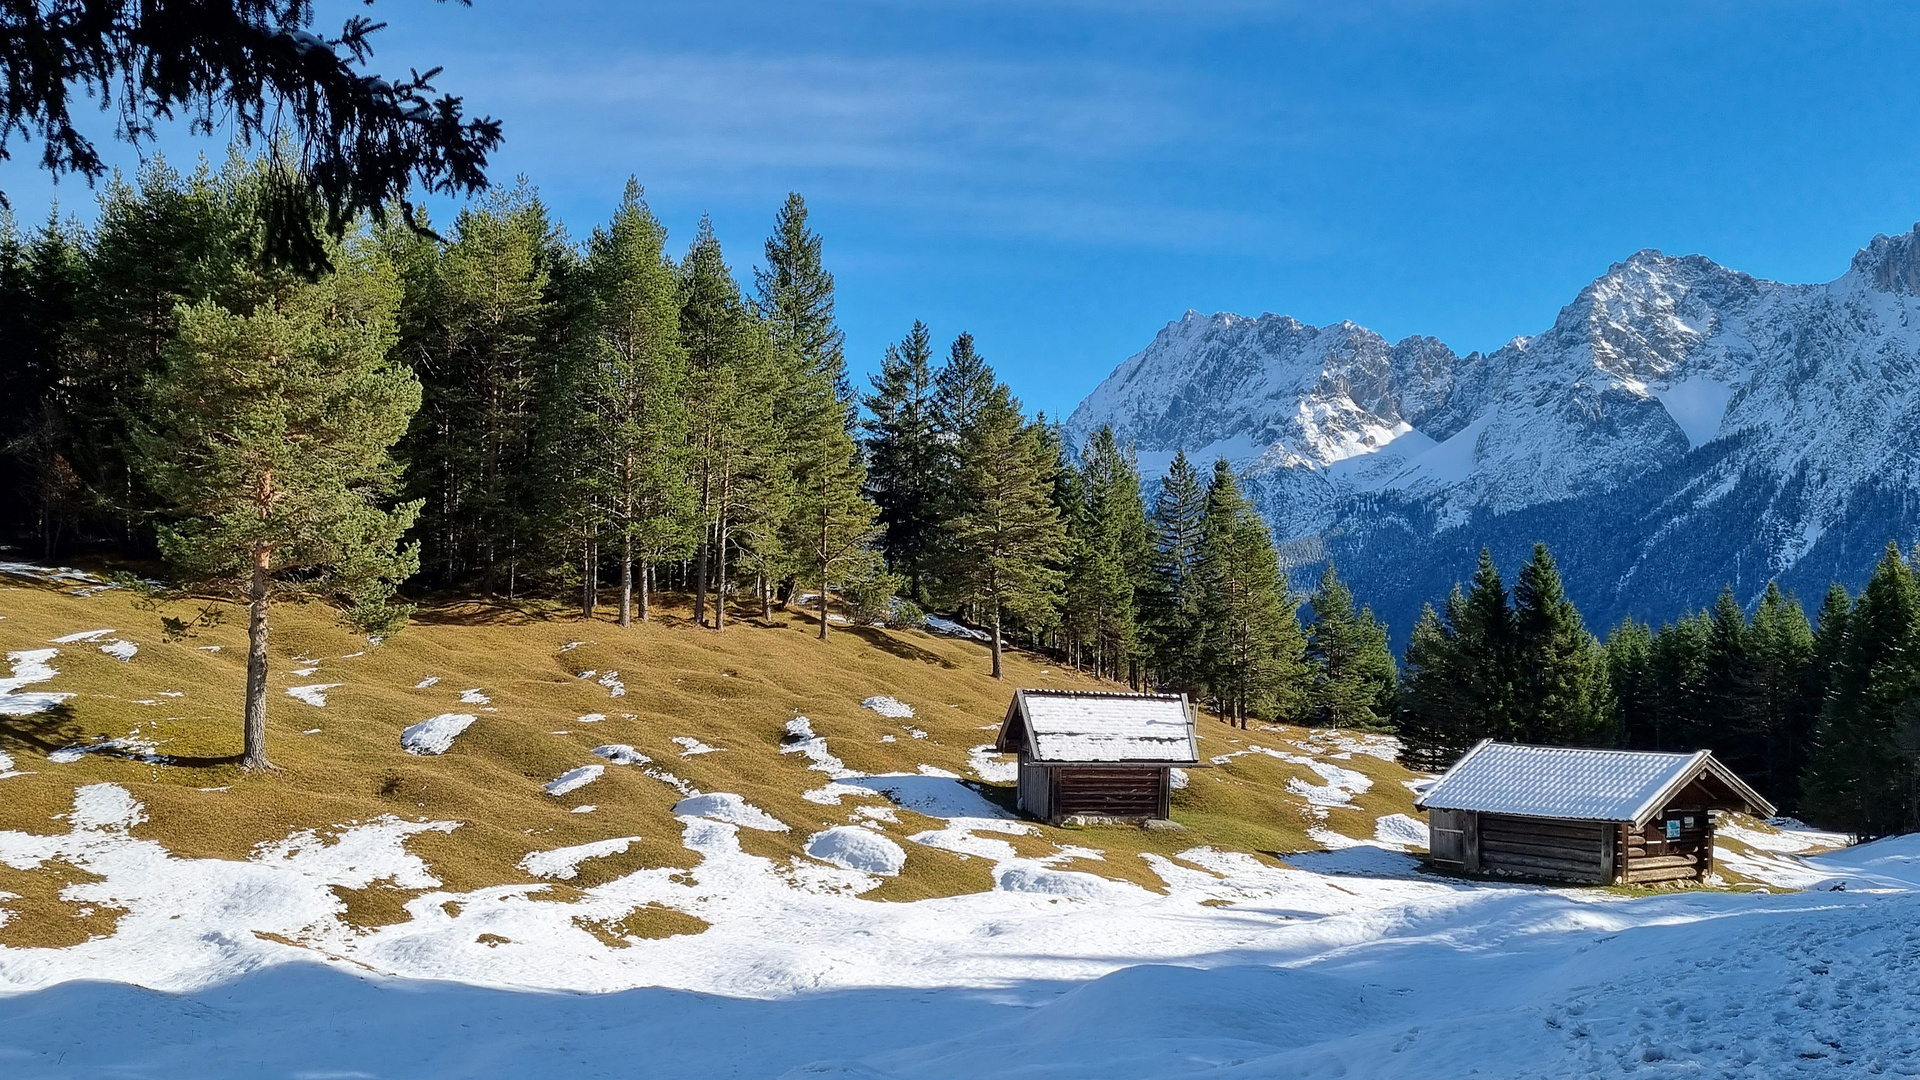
(254, 752)
(646, 589)
(720, 579)
(825, 558)
(766, 597)
(589, 580)
(700, 579)
(996, 641)
(720, 557)
(626, 581)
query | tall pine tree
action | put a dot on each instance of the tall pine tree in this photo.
(267, 433)
(1007, 534)
(905, 458)
(640, 371)
(1352, 670)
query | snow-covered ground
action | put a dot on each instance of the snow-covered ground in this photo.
(1344, 963)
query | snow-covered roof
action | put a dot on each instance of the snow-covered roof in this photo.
(1579, 783)
(1067, 726)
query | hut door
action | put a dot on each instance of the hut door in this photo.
(1449, 836)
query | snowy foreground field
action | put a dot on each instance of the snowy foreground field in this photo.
(1354, 964)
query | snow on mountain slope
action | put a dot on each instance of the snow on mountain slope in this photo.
(1679, 426)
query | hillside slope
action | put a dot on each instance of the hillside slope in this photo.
(685, 721)
(1680, 425)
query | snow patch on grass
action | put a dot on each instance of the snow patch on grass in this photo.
(564, 863)
(80, 636)
(131, 746)
(730, 808)
(953, 629)
(855, 847)
(426, 682)
(315, 695)
(574, 779)
(122, 651)
(108, 807)
(992, 766)
(621, 754)
(435, 736)
(29, 666)
(1399, 830)
(689, 746)
(474, 697)
(889, 707)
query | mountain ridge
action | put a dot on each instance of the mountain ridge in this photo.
(1680, 425)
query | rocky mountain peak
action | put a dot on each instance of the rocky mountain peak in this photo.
(1892, 263)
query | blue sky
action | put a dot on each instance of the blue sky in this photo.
(1063, 178)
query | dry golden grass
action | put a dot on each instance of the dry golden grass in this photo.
(647, 922)
(734, 690)
(36, 915)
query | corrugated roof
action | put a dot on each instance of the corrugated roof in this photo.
(1570, 782)
(1068, 726)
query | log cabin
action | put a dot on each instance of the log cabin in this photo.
(1093, 757)
(1597, 817)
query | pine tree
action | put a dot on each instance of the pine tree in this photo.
(1111, 557)
(1678, 657)
(475, 316)
(1007, 534)
(268, 433)
(1862, 776)
(1435, 720)
(796, 297)
(905, 458)
(964, 386)
(639, 375)
(1251, 645)
(1557, 675)
(731, 400)
(1170, 600)
(42, 277)
(1352, 669)
(839, 523)
(1629, 670)
(1782, 649)
(834, 524)
(159, 243)
(1487, 647)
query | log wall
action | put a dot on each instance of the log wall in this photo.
(1111, 791)
(1580, 851)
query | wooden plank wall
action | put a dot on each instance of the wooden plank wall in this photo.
(1114, 792)
(1033, 790)
(1539, 847)
(1448, 830)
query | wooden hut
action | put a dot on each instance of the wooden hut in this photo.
(1090, 757)
(1591, 816)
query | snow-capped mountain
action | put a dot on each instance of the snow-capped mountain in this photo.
(1680, 426)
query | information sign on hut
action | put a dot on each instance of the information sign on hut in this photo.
(1590, 816)
(1090, 757)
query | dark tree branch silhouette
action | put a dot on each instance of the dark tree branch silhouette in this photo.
(351, 141)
